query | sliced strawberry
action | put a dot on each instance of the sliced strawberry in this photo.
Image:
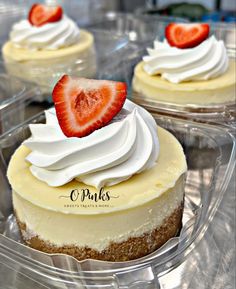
(84, 105)
(184, 35)
(41, 14)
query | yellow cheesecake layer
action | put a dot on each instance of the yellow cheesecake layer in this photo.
(44, 67)
(136, 206)
(21, 54)
(220, 90)
(96, 231)
(136, 191)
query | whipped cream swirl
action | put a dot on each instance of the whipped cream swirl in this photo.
(50, 36)
(126, 146)
(205, 61)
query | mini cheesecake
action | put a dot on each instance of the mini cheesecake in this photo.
(206, 93)
(115, 223)
(190, 69)
(44, 67)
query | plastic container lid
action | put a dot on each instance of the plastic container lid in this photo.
(15, 97)
(210, 152)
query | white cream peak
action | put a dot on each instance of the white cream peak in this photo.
(205, 61)
(50, 36)
(128, 145)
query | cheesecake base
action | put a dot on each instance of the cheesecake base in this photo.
(133, 248)
(207, 93)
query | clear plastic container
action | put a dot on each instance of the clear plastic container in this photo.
(123, 71)
(45, 71)
(142, 31)
(224, 113)
(209, 171)
(226, 32)
(16, 97)
(82, 11)
(10, 12)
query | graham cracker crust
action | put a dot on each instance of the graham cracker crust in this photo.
(133, 248)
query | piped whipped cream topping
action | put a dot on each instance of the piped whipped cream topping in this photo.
(205, 61)
(126, 146)
(50, 36)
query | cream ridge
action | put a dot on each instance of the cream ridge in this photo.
(106, 157)
(208, 60)
(51, 36)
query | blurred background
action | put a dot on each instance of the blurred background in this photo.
(92, 12)
(87, 12)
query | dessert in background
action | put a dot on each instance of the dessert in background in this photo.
(47, 45)
(99, 180)
(187, 68)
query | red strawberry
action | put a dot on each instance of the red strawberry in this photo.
(183, 35)
(41, 14)
(84, 105)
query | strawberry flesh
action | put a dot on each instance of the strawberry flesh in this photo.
(41, 14)
(183, 35)
(85, 105)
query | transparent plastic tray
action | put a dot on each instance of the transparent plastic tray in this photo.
(45, 74)
(224, 113)
(209, 170)
(10, 12)
(16, 96)
(84, 12)
(142, 31)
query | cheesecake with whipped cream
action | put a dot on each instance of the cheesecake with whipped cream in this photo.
(200, 76)
(116, 194)
(41, 54)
